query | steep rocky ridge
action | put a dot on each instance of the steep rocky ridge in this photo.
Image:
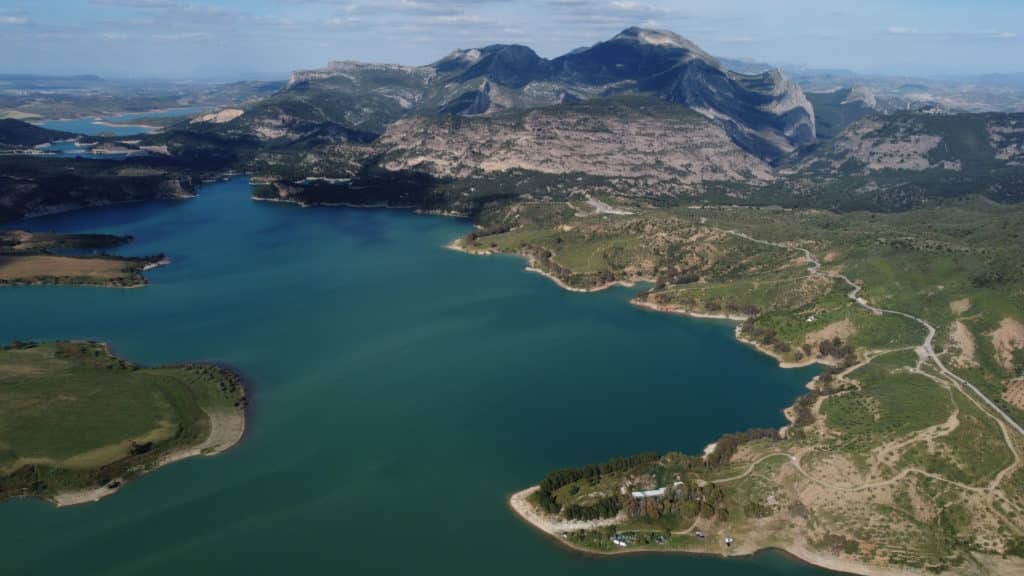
(837, 109)
(764, 113)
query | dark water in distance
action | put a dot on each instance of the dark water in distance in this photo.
(400, 392)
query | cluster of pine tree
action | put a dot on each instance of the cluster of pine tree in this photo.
(592, 472)
(727, 445)
(686, 500)
(603, 508)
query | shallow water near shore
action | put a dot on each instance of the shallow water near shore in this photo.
(400, 392)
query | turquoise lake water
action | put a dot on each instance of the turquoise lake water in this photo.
(93, 126)
(399, 393)
(76, 150)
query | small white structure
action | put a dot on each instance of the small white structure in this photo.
(648, 493)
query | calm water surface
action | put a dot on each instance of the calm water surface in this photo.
(400, 392)
(94, 126)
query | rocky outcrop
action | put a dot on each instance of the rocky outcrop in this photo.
(220, 117)
(663, 149)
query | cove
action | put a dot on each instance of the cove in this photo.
(399, 393)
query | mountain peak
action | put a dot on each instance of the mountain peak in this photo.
(506, 64)
(656, 37)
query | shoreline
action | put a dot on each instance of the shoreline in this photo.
(302, 204)
(109, 124)
(664, 309)
(783, 363)
(561, 284)
(519, 504)
(204, 448)
(164, 261)
(112, 114)
(66, 209)
(227, 430)
(54, 280)
(456, 245)
(527, 513)
(413, 208)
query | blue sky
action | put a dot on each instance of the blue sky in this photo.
(268, 38)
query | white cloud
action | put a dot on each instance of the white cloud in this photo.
(183, 36)
(901, 30)
(342, 20)
(137, 3)
(968, 35)
(456, 19)
(13, 18)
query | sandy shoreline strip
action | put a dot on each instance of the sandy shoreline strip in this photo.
(165, 261)
(673, 310)
(554, 528)
(552, 525)
(226, 430)
(564, 286)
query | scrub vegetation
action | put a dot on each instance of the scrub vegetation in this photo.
(889, 462)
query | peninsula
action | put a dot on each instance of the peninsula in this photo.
(878, 236)
(28, 258)
(891, 462)
(77, 423)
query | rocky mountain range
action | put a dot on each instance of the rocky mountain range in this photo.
(646, 118)
(765, 114)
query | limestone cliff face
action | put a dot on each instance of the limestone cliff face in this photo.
(641, 139)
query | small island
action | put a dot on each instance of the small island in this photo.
(77, 423)
(32, 258)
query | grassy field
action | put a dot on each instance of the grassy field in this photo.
(73, 417)
(890, 403)
(37, 258)
(50, 269)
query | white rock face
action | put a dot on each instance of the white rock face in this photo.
(652, 37)
(222, 117)
(862, 94)
(788, 97)
(664, 38)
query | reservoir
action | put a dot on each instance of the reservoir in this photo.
(400, 392)
(118, 125)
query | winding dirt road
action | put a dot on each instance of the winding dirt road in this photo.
(814, 267)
